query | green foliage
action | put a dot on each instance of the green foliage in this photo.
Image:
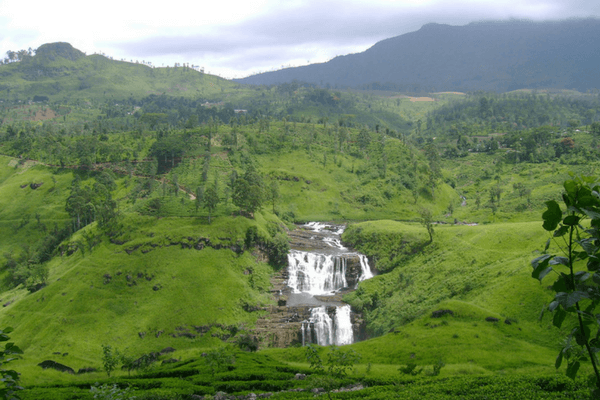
(410, 369)
(337, 361)
(110, 359)
(577, 268)
(11, 352)
(336, 366)
(112, 392)
(219, 359)
(437, 368)
(278, 249)
(247, 342)
(249, 191)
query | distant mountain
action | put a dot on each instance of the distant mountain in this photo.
(493, 56)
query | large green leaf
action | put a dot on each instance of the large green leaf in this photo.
(571, 187)
(541, 260)
(552, 215)
(582, 276)
(572, 369)
(559, 359)
(560, 260)
(561, 231)
(591, 213)
(571, 220)
(561, 285)
(593, 264)
(540, 267)
(559, 317)
(568, 300)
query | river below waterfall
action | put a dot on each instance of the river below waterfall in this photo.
(320, 270)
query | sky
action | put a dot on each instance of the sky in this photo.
(234, 39)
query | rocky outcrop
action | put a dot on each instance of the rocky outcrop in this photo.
(353, 270)
(282, 327)
(57, 366)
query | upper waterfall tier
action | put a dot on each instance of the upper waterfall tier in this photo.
(320, 264)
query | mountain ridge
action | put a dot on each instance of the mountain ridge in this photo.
(488, 55)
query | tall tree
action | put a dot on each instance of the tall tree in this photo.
(210, 200)
(273, 193)
(427, 221)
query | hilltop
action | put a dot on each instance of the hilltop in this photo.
(490, 56)
(58, 71)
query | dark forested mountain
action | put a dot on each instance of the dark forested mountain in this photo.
(493, 56)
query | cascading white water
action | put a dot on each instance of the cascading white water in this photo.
(316, 273)
(324, 273)
(343, 326)
(322, 326)
(365, 270)
(322, 330)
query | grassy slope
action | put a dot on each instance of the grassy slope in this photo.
(18, 206)
(175, 289)
(475, 271)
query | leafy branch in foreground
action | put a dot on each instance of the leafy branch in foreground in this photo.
(9, 376)
(577, 269)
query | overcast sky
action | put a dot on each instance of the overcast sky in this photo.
(234, 39)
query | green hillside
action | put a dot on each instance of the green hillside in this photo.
(145, 221)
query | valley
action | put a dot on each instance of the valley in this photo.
(286, 238)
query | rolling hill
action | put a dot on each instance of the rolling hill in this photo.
(60, 72)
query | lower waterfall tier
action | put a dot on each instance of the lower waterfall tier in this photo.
(323, 330)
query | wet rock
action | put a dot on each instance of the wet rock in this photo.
(57, 366)
(167, 350)
(441, 313)
(86, 370)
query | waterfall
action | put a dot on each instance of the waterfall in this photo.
(365, 270)
(343, 326)
(316, 273)
(321, 329)
(322, 272)
(322, 326)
